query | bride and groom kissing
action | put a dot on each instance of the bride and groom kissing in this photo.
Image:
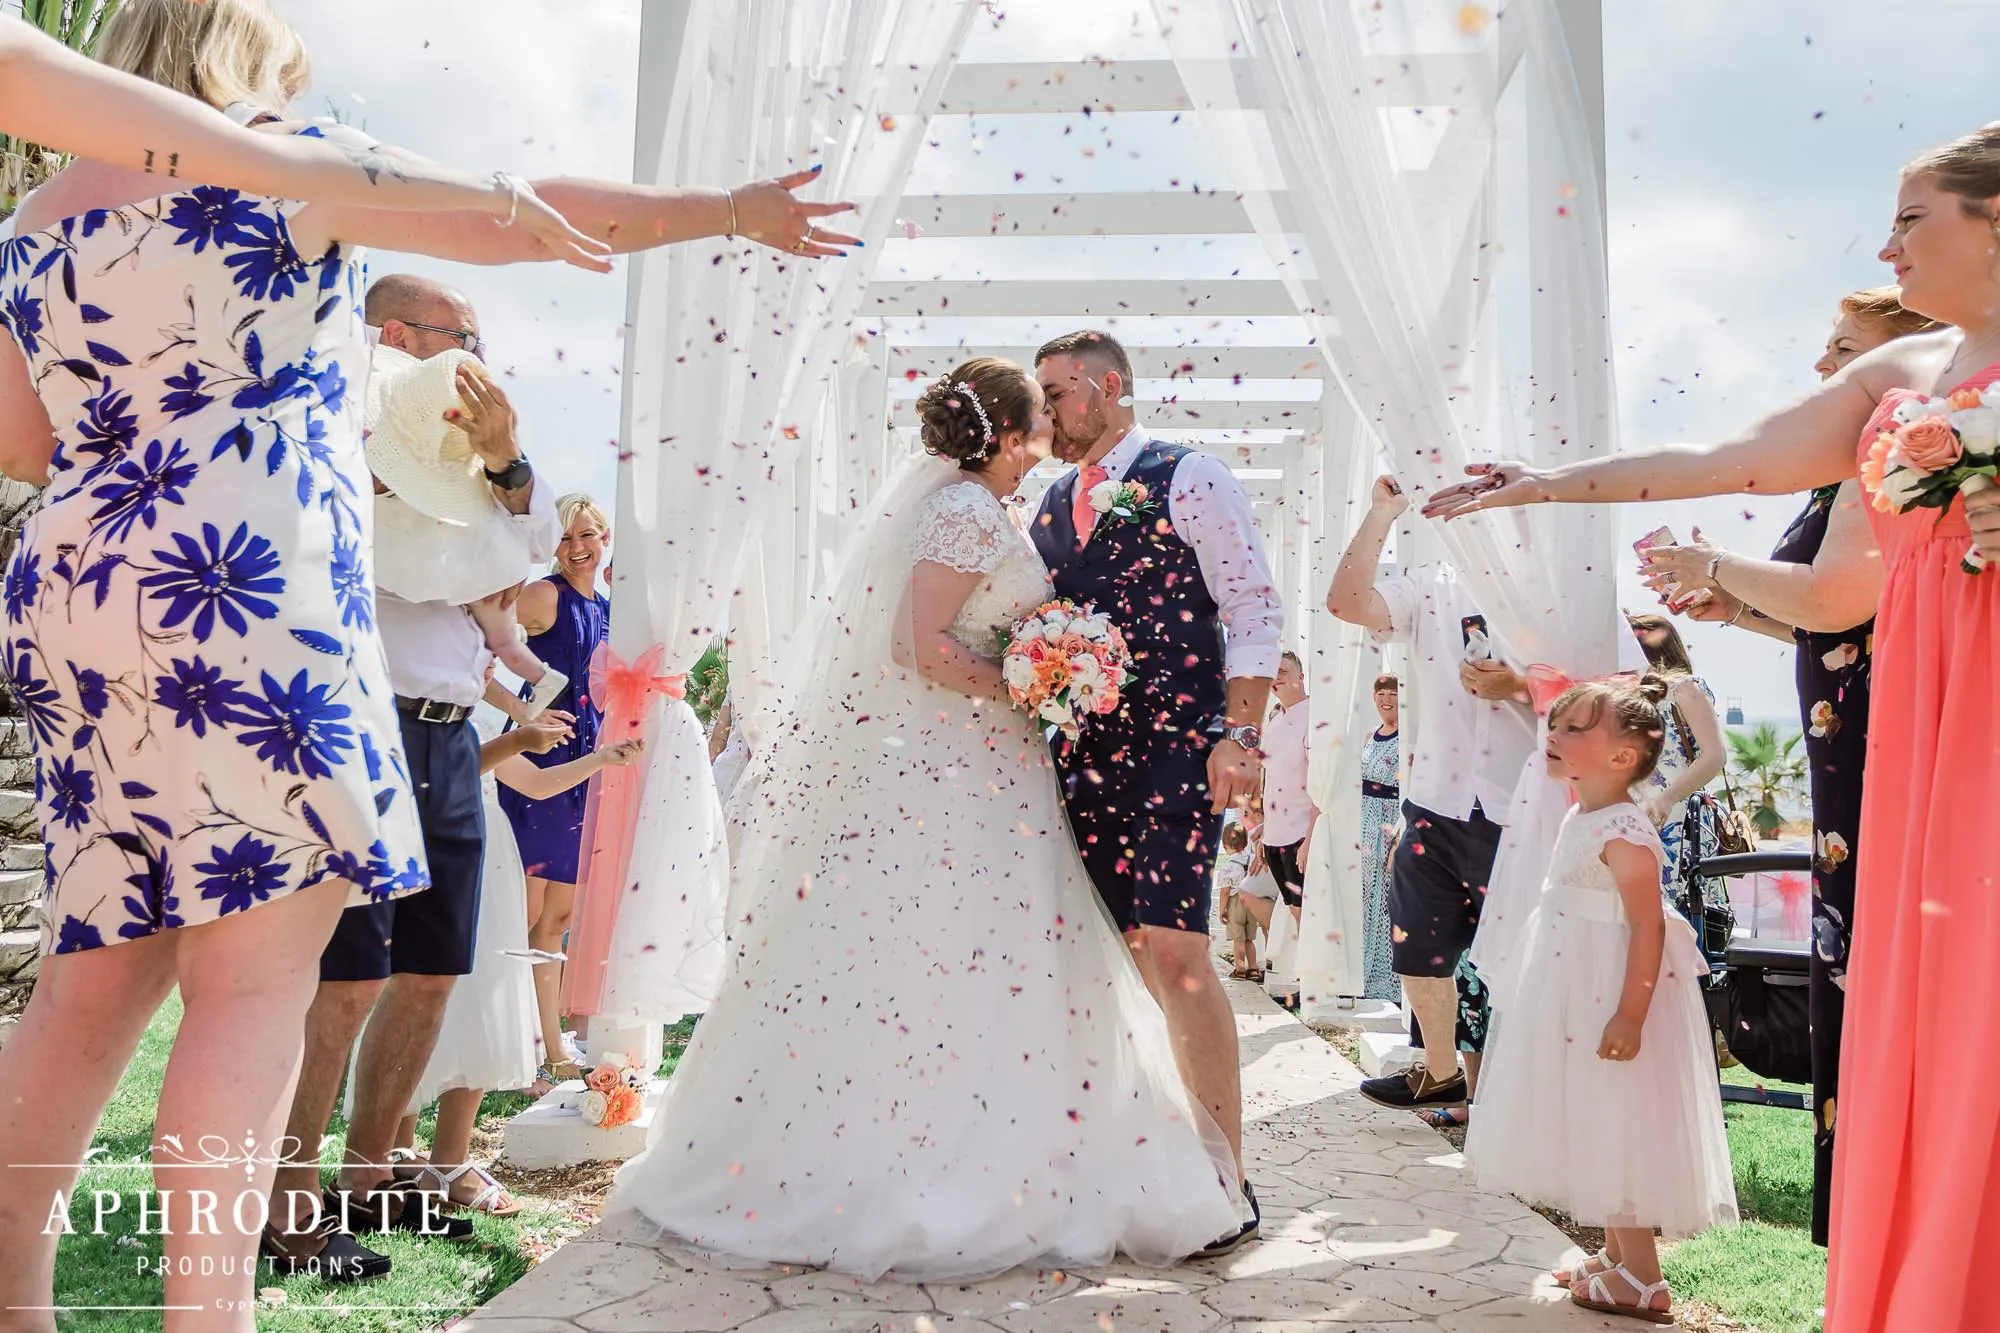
(952, 1040)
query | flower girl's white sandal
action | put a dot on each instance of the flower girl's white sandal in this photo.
(1588, 1266)
(1600, 1299)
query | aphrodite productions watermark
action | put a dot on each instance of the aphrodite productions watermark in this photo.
(152, 1207)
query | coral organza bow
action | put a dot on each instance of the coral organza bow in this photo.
(625, 692)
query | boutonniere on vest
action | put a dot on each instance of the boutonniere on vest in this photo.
(1123, 501)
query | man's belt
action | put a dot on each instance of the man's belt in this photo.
(434, 710)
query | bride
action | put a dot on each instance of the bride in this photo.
(932, 1055)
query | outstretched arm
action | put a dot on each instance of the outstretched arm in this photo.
(54, 96)
(1813, 443)
(539, 784)
(620, 217)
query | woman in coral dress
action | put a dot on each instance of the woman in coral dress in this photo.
(1916, 1193)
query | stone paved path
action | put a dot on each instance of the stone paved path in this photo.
(1371, 1225)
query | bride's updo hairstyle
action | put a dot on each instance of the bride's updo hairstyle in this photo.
(1634, 707)
(965, 413)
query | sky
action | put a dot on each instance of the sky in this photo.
(1752, 153)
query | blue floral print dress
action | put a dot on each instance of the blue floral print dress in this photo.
(190, 614)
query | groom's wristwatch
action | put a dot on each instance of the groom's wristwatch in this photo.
(1247, 736)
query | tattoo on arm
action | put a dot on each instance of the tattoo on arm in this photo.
(376, 165)
(173, 163)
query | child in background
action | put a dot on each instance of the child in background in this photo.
(1230, 872)
(1598, 1091)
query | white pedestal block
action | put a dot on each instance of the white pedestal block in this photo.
(553, 1132)
(643, 1043)
(1386, 1053)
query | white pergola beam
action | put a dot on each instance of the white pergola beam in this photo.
(1027, 87)
(1097, 298)
(1156, 213)
(1245, 361)
(1193, 414)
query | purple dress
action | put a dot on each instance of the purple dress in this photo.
(550, 832)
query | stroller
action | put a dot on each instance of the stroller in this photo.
(1757, 990)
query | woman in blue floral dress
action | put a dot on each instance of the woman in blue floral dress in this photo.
(190, 631)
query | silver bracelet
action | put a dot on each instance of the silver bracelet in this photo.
(513, 185)
(730, 195)
(1714, 563)
(1741, 607)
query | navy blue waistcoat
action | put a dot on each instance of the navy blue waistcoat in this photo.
(1148, 580)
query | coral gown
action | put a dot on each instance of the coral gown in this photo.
(1916, 1193)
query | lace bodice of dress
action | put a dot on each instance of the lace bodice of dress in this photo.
(965, 527)
(1579, 856)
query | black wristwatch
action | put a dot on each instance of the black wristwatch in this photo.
(512, 477)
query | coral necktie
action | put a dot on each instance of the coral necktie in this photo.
(1085, 518)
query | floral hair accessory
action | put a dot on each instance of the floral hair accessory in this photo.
(979, 410)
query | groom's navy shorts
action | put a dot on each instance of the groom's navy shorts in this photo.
(1151, 858)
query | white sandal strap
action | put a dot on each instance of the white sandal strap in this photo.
(1644, 1301)
(493, 1188)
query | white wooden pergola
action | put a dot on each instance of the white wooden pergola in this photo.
(1223, 363)
(1221, 351)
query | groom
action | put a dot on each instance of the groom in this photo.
(1145, 787)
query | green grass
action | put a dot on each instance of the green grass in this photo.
(432, 1280)
(1767, 1273)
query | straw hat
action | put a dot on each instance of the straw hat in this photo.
(426, 462)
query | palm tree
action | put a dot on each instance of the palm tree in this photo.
(77, 24)
(1771, 771)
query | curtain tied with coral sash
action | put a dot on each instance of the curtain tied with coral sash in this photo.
(1546, 685)
(626, 691)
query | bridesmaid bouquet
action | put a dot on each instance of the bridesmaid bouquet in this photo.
(1934, 450)
(1065, 663)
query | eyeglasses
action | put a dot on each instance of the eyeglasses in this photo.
(467, 338)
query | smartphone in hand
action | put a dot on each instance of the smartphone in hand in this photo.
(1657, 537)
(1662, 536)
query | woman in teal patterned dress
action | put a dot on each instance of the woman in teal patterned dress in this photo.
(1381, 811)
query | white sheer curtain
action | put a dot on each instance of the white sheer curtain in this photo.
(1426, 181)
(1341, 665)
(730, 352)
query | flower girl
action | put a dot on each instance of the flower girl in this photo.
(1599, 1091)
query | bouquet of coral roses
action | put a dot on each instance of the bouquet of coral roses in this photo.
(1065, 663)
(1936, 449)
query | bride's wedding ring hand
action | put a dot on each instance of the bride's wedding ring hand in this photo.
(1493, 486)
(769, 213)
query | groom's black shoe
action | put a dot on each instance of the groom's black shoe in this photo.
(1247, 1232)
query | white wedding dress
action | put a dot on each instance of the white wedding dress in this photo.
(932, 1056)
